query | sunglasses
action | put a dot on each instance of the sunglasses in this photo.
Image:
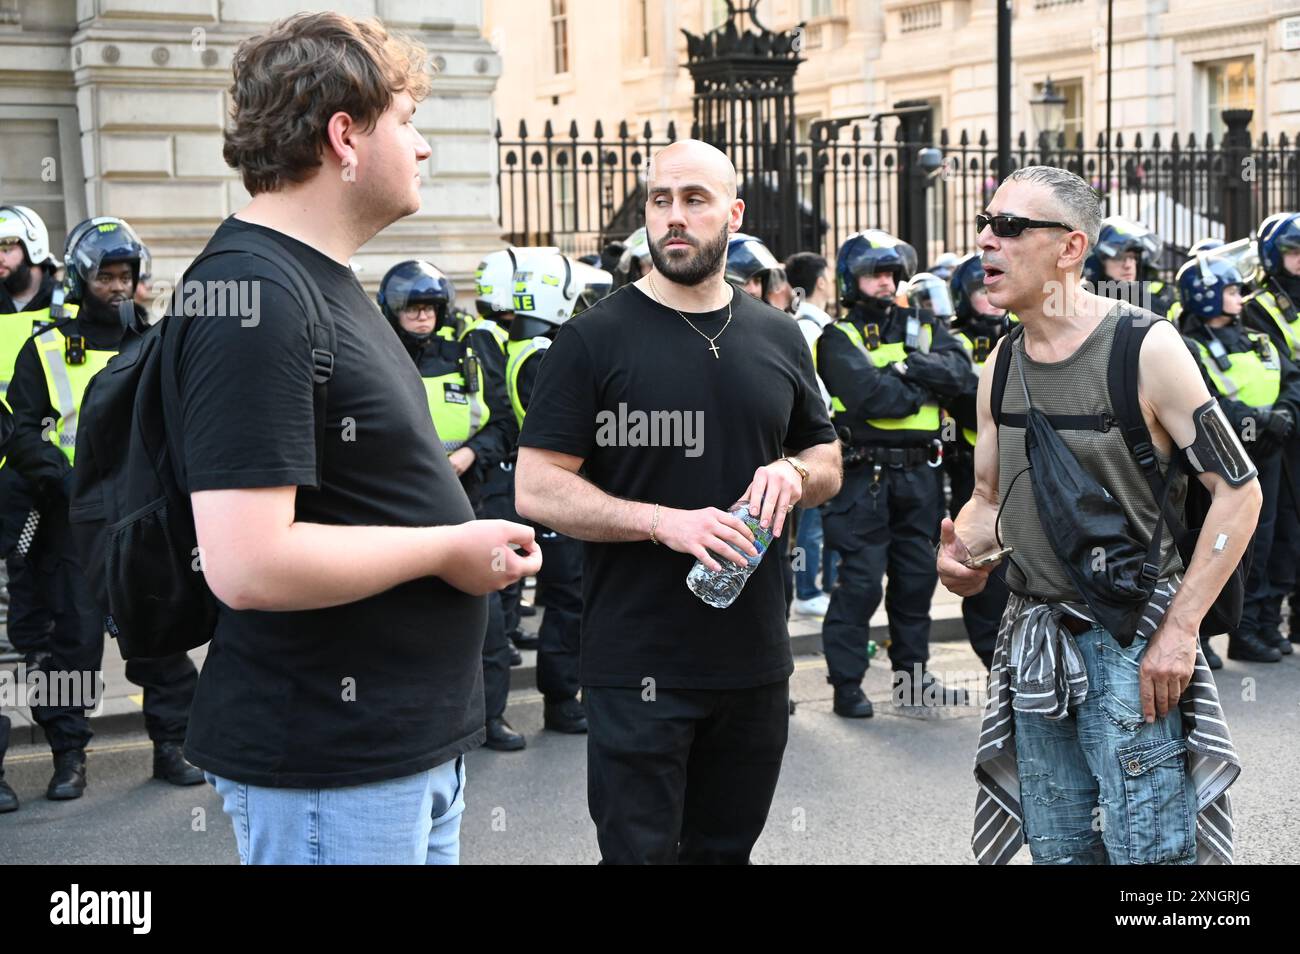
(1010, 226)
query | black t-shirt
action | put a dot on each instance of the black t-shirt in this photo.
(629, 356)
(385, 687)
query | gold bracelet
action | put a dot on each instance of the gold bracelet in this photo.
(654, 525)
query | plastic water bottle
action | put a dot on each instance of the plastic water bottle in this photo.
(720, 589)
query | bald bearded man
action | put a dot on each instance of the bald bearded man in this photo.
(687, 705)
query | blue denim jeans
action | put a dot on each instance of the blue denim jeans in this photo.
(809, 540)
(414, 820)
(1101, 785)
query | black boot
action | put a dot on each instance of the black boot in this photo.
(516, 659)
(1248, 647)
(566, 717)
(526, 609)
(169, 765)
(1272, 636)
(524, 640)
(502, 738)
(69, 779)
(851, 702)
(8, 797)
(1211, 657)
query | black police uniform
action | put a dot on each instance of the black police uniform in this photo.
(982, 613)
(886, 516)
(75, 640)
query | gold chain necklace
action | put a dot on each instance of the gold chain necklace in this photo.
(712, 345)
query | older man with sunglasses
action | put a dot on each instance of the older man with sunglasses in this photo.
(1097, 746)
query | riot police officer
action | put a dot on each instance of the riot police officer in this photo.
(546, 291)
(887, 368)
(464, 379)
(977, 325)
(1123, 266)
(1259, 391)
(753, 269)
(1273, 309)
(50, 376)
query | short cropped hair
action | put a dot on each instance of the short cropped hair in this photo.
(290, 81)
(1080, 202)
(803, 269)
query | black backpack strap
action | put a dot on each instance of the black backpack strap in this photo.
(1122, 375)
(320, 328)
(1000, 371)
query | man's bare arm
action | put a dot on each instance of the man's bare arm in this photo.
(255, 556)
(974, 531)
(1171, 387)
(825, 465)
(549, 491)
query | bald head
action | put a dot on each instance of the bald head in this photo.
(693, 162)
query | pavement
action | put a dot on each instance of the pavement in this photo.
(121, 703)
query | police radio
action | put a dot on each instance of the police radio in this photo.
(469, 370)
(912, 340)
(74, 349)
(1218, 352)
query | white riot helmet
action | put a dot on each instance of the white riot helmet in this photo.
(494, 279)
(21, 223)
(546, 288)
(636, 249)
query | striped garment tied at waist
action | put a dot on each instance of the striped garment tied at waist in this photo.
(1038, 655)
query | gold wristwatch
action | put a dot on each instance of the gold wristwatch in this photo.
(798, 465)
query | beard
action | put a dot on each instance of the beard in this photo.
(17, 281)
(692, 269)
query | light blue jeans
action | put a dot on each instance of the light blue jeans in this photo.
(413, 820)
(1101, 785)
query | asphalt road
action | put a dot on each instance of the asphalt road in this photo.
(896, 788)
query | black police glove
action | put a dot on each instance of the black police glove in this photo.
(1279, 423)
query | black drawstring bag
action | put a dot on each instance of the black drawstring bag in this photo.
(1089, 531)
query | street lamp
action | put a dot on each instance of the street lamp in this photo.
(1048, 109)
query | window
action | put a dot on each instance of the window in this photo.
(1072, 90)
(814, 9)
(560, 36)
(644, 26)
(40, 165)
(1226, 84)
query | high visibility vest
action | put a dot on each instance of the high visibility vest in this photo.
(1251, 379)
(459, 412)
(66, 383)
(1175, 312)
(978, 348)
(518, 352)
(926, 419)
(1277, 311)
(15, 329)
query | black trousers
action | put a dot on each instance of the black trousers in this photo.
(559, 587)
(1258, 590)
(683, 775)
(73, 642)
(496, 661)
(982, 613)
(885, 520)
(499, 504)
(1286, 542)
